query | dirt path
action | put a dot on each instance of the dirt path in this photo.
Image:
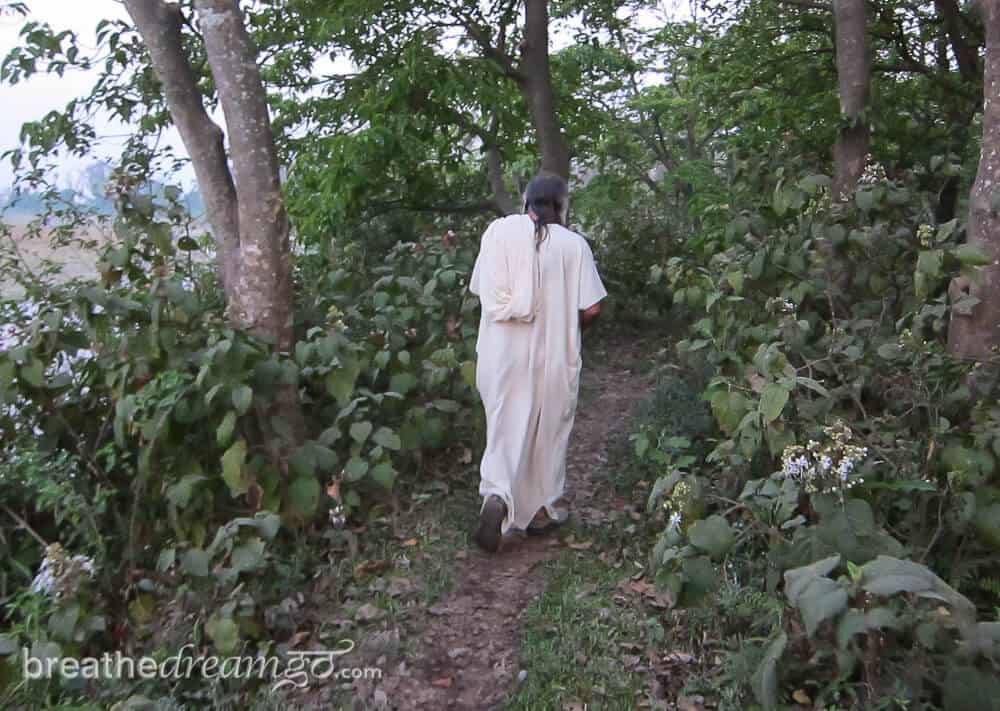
(469, 654)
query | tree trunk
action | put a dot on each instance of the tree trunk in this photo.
(965, 52)
(976, 334)
(536, 85)
(159, 24)
(262, 295)
(854, 81)
(245, 208)
(503, 201)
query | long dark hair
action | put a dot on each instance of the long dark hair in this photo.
(546, 196)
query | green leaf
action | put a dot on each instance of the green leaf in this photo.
(224, 433)
(224, 633)
(232, 468)
(772, 401)
(817, 597)
(360, 431)
(812, 385)
(242, 397)
(356, 468)
(194, 561)
(929, 262)
(446, 405)
(765, 679)
(303, 462)
(340, 383)
(303, 497)
(32, 373)
(385, 437)
(888, 576)
(729, 408)
(971, 255)
(248, 556)
(402, 383)
(62, 622)
(384, 474)
(798, 578)
(712, 535)
(179, 494)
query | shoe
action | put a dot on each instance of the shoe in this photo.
(550, 524)
(490, 519)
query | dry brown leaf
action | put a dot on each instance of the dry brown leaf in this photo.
(410, 542)
(443, 682)
(370, 567)
(333, 490)
(802, 697)
(587, 545)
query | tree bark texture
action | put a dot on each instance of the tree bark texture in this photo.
(536, 86)
(977, 334)
(159, 24)
(245, 206)
(262, 296)
(965, 52)
(854, 83)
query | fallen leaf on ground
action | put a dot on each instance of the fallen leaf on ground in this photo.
(443, 682)
(369, 612)
(410, 542)
(370, 567)
(690, 703)
(679, 658)
(802, 697)
(587, 545)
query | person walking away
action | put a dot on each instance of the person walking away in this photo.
(539, 287)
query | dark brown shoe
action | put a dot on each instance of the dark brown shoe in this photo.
(487, 536)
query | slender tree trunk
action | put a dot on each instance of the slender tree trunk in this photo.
(504, 202)
(536, 85)
(159, 24)
(245, 207)
(854, 82)
(976, 335)
(262, 295)
(964, 51)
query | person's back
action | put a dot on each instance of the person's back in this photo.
(534, 277)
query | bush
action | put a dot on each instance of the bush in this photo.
(847, 441)
(145, 436)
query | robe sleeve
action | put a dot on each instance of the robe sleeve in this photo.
(591, 288)
(475, 281)
(505, 275)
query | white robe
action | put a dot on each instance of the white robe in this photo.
(528, 359)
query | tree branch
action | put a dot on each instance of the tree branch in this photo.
(159, 24)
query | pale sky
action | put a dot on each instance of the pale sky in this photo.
(32, 99)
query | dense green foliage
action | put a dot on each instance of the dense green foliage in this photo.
(825, 473)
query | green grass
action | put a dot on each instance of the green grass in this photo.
(573, 648)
